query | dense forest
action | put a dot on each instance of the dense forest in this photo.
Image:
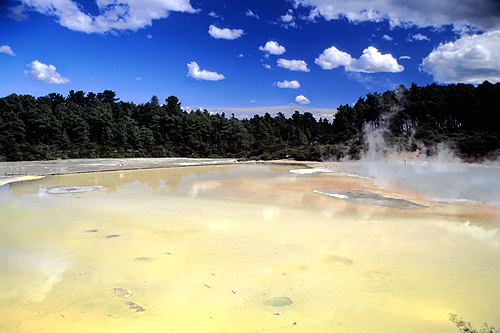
(89, 125)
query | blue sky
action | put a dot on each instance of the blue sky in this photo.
(245, 57)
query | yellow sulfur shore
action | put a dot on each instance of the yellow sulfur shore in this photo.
(8, 180)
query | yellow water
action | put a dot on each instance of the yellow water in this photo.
(204, 249)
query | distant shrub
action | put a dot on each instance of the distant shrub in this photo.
(467, 327)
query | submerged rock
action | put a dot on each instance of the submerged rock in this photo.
(371, 198)
(278, 301)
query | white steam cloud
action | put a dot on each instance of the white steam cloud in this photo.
(442, 177)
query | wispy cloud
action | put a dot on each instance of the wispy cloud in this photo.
(6, 50)
(288, 19)
(371, 82)
(287, 110)
(213, 14)
(249, 13)
(417, 37)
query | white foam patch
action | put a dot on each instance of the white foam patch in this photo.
(335, 195)
(311, 171)
(70, 189)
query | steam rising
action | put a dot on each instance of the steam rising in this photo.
(442, 177)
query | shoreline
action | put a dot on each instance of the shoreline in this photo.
(40, 169)
(18, 179)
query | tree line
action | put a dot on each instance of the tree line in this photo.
(465, 117)
(89, 125)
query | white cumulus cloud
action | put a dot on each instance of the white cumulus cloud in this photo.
(333, 58)
(273, 47)
(195, 72)
(288, 84)
(293, 65)
(371, 61)
(7, 50)
(113, 15)
(44, 73)
(224, 33)
(301, 99)
(482, 14)
(470, 59)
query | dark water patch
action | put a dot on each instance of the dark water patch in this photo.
(122, 292)
(143, 259)
(338, 259)
(278, 301)
(135, 306)
(371, 198)
(91, 231)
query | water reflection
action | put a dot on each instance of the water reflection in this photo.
(32, 274)
(240, 248)
(152, 178)
(489, 236)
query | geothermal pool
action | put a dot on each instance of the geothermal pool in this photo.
(246, 248)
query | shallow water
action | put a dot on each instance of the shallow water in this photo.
(240, 248)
